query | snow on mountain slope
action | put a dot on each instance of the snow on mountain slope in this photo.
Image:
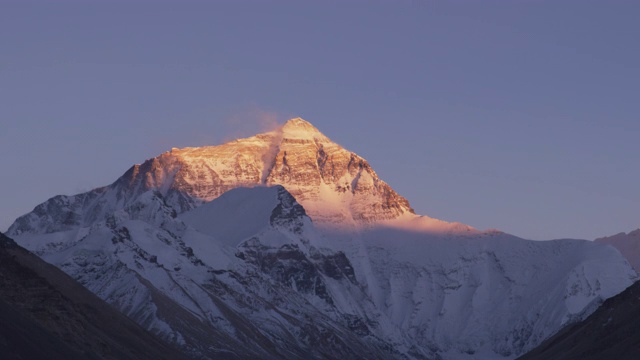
(220, 218)
(627, 244)
(489, 292)
(249, 274)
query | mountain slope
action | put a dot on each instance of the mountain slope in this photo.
(46, 314)
(611, 332)
(328, 263)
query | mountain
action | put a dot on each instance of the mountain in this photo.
(286, 245)
(336, 187)
(627, 244)
(611, 332)
(45, 314)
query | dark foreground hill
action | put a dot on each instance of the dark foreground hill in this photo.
(611, 332)
(45, 314)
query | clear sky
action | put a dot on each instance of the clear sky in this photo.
(516, 115)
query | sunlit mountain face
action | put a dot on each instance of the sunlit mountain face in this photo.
(287, 245)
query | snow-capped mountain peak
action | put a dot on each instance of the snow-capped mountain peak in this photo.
(337, 187)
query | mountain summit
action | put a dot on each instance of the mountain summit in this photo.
(298, 128)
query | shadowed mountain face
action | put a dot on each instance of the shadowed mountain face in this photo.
(611, 332)
(45, 314)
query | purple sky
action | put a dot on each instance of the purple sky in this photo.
(516, 115)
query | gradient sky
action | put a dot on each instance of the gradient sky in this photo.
(516, 115)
